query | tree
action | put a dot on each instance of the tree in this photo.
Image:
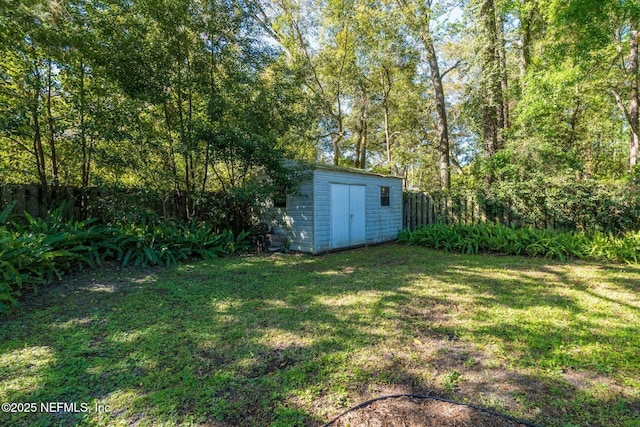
(631, 114)
(493, 78)
(419, 15)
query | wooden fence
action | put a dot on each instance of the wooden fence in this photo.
(81, 203)
(422, 209)
(419, 208)
(28, 198)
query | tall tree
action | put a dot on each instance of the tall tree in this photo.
(634, 150)
(492, 76)
(631, 114)
(419, 14)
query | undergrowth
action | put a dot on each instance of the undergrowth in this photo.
(35, 251)
(495, 238)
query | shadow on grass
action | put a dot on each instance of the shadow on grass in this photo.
(293, 340)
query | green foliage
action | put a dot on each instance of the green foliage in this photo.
(495, 238)
(35, 251)
(166, 243)
(238, 208)
(175, 95)
(560, 201)
(451, 380)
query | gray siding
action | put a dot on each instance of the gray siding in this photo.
(382, 222)
(306, 220)
(296, 220)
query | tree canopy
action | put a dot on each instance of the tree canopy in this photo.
(201, 95)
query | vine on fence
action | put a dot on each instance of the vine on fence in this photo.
(573, 206)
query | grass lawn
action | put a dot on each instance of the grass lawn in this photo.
(295, 340)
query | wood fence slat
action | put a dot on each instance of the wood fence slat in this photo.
(82, 202)
(414, 203)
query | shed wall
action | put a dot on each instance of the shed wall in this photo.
(296, 220)
(382, 222)
(306, 220)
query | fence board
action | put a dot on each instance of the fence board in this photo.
(82, 202)
(421, 209)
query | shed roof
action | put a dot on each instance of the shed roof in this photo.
(342, 169)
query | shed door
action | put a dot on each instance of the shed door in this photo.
(348, 226)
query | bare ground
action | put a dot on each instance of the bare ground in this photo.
(409, 411)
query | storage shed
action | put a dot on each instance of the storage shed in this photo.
(338, 207)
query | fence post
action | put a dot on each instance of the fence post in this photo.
(414, 205)
(404, 209)
(465, 212)
(446, 210)
(409, 219)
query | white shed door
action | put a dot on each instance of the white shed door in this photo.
(348, 226)
(358, 227)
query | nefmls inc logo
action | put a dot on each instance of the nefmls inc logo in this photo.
(68, 407)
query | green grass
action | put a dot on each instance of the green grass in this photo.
(294, 340)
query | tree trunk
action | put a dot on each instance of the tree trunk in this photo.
(436, 80)
(190, 145)
(361, 144)
(441, 111)
(491, 80)
(183, 142)
(525, 48)
(206, 165)
(386, 89)
(504, 78)
(633, 104)
(387, 136)
(51, 126)
(172, 156)
(337, 138)
(213, 94)
(441, 108)
(86, 162)
(336, 148)
(489, 130)
(37, 142)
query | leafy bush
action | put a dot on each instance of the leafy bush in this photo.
(564, 199)
(494, 238)
(35, 251)
(169, 243)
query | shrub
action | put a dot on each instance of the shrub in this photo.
(560, 202)
(166, 243)
(494, 238)
(35, 251)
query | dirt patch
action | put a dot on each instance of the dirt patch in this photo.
(409, 411)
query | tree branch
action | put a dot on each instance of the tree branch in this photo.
(330, 134)
(624, 110)
(455, 162)
(261, 17)
(453, 67)
(20, 144)
(303, 46)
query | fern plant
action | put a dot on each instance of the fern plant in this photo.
(35, 251)
(495, 238)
